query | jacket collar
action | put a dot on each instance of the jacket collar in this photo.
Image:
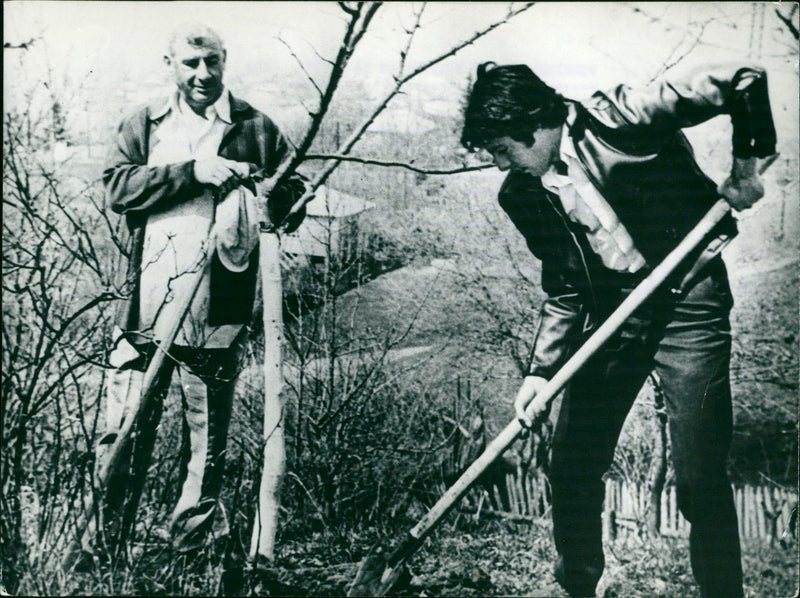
(161, 107)
(576, 121)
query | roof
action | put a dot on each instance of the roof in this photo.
(330, 203)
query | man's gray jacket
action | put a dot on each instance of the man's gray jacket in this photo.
(136, 190)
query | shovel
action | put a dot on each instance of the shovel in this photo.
(378, 573)
(162, 343)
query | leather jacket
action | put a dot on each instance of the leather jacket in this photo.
(630, 145)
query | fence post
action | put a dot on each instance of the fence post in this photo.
(759, 508)
(739, 510)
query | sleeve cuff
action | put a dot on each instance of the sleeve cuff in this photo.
(753, 127)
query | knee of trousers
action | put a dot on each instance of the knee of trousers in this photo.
(581, 493)
(576, 473)
(699, 501)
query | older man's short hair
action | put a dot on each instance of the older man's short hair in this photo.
(196, 35)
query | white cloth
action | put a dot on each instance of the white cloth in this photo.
(175, 239)
(584, 205)
(237, 229)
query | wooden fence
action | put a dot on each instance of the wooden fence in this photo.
(763, 511)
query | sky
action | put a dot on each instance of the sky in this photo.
(113, 51)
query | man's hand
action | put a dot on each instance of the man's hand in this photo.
(527, 393)
(218, 171)
(278, 202)
(744, 187)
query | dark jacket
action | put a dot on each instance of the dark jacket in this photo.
(137, 190)
(630, 145)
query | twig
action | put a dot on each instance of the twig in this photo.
(390, 163)
(787, 21)
(301, 65)
(400, 81)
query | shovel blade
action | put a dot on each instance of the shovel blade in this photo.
(376, 577)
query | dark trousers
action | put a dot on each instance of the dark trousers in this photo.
(207, 378)
(687, 341)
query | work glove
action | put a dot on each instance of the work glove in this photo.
(743, 187)
(280, 201)
(278, 213)
(531, 387)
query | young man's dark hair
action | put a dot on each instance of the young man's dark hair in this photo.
(509, 100)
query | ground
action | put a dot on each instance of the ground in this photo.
(502, 558)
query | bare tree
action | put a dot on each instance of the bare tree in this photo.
(788, 19)
(56, 299)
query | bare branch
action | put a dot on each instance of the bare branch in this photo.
(21, 46)
(353, 12)
(353, 33)
(512, 12)
(389, 163)
(674, 58)
(318, 55)
(345, 148)
(411, 32)
(301, 65)
(371, 11)
(788, 21)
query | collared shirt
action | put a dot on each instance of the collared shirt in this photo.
(175, 239)
(584, 205)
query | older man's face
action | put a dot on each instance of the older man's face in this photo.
(198, 73)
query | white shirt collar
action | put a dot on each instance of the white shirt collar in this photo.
(566, 153)
(567, 148)
(221, 108)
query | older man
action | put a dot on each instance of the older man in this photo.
(177, 166)
(602, 190)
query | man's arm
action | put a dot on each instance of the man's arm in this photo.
(525, 202)
(560, 325)
(131, 185)
(654, 112)
(134, 187)
(686, 100)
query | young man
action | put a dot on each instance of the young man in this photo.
(602, 190)
(175, 168)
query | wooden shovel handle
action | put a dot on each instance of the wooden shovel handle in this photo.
(594, 342)
(162, 343)
(559, 380)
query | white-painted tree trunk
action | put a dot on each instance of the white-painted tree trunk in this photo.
(265, 525)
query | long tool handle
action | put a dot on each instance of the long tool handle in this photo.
(162, 344)
(557, 382)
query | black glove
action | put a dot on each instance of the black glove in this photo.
(280, 202)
